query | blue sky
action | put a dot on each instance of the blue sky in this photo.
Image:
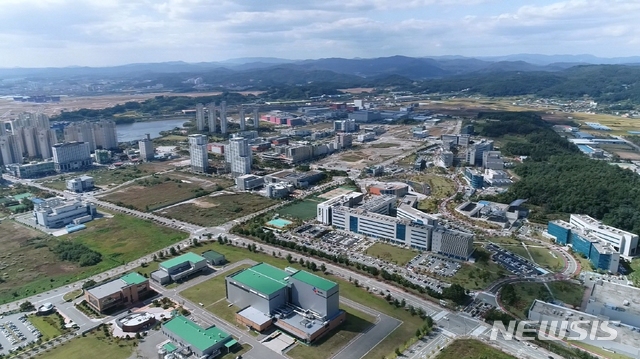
(40, 33)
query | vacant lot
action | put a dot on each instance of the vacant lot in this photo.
(471, 349)
(403, 333)
(353, 156)
(304, 210)
(383, 145)
(216, 210)
(390, 253)
(526, 293)
(105, 178)
(100, 346)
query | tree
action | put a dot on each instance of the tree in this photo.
(418, 333)
(323, 268)
(289, 258)
(403, 303)
(356, 283)
(301, 261)
(88, 284)
(26, 306)
(172, 251)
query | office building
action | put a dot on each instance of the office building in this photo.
(179, 268)
(456, 140)
(277, 190)
(626, 243)
(188, 339)
(241, 118)
(147, 153)
(223, 117)
(452, 243)
(211, 117)
(57, 212)
(31, 170)
(118, 294)
(475, 152)
(80, 184)
(296, 179)
(397, 190)
(405, 211)
(297, 302)
(198, 153)
(476, 179)
(71, 156)
(444, 159)
(10, 149)
(238, 155)
(467, 130)
(249, 182)
(492, 160)
(200, 117)
(346, 126)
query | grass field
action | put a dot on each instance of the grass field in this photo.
(634, 276)
(391, 253)
(72, 295)
(403, 333)
(471, 349)
(214, 211)
(383, 145)
(48, 325)
(353, 156)
(478, 275)
(105, 177)
(331, 344)
(304, 210)
(565, 292)
(100, 348)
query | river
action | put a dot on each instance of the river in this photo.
(137, 130)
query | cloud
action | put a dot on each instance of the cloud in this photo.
(101, 32)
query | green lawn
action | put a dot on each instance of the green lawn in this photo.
(471, 349)
(210, 291)
(402, 334)
(237, 350)
(332, 343)
(565, 292)
(383, 145)
(214, 211)
(540, 256)
(304, 210)
(634, 267)
(72, 295)
(478, 275)
(391, 253)
(48, 325)
(94, 344)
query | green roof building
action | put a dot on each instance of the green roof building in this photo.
(201, 341)
(179, 268)
(214, 258)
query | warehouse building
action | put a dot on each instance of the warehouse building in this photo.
(118, 293)
(298, 302)
(189, 337)
(214, 258)
(179, 268)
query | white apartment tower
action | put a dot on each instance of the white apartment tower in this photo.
(223, 117)
(198, 153)
(146, 149)
(238, 154)
(211, 109)
(242, 119)
(45, 139)
(200, 117)
(10, 151)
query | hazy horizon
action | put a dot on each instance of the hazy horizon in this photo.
(95, 33)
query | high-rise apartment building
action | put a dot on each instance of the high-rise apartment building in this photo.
(211, 109)
(200, 117)
(146, 149)
(256, 118)
(198, 153)
(242, 119)
(223, 117)
(238, 155)
(97, 134)
(45, 139)
(71, 156)
(10, 151)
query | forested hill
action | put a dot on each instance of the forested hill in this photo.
(558, 179)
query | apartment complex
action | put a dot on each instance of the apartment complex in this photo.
(30, 135)
(101, 134)
(198, 153)
(71, 156)
(118, 293)
(298, 302)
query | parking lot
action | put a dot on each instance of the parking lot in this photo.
(512, 262)
(439, 265)
(17, 332)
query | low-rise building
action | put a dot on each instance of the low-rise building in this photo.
(179, 268)
(57, 212)
(118, 293)
(249, 182)
(296, 179)
(31, 170)
(370, 136)
(201, 342)
(278, 190)
(391, 189)
(214, 258)
(80, 184)
(476, 179)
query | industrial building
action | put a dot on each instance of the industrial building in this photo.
(364, 116)
(389, 189)
(492, 160)
(214, 258)
(71, 156)
(298, 302)
(602, 246)
(238, 155)
(198, 153)
(452, 243)
(147, 152)
(80, 184)
(57, 212)
(188, 338)
(249, 182)
(179, 268)
(118, 293)
(296, 179)
(497, 178)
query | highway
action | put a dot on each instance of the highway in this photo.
(454, 324)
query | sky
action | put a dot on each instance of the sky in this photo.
(56, 33)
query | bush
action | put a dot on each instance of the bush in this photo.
(78, 253)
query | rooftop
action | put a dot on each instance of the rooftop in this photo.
(108, 288)
(133, 278)
(187, 257)
(212, 255)
(263, 278)
(617, 295)
(196, 336)
(314, 280)
(254, 315)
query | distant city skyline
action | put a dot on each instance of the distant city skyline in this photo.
(58, 33)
